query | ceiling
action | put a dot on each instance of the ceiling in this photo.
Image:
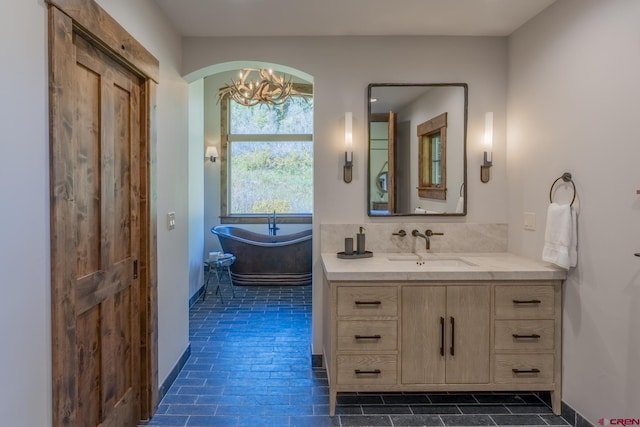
(219, 18)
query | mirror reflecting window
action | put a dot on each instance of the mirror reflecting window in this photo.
(432, 158)
(417, 149)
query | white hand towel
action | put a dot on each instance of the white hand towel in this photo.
(573, 247)
(460, 206)
(420, 211)
(560, 246)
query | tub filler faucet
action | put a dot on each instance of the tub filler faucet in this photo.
(273, 228)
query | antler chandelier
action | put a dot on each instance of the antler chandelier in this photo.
(269, 89)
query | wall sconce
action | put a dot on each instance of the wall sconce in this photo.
(211, 154)
(485, 168)
(348, 148)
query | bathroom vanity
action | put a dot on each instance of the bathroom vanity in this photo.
(442, 322)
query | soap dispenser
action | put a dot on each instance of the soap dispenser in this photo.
(360, 242)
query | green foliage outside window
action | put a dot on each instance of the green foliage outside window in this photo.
(271, 175)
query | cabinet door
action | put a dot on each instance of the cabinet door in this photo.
(423, 316)
(468, 324)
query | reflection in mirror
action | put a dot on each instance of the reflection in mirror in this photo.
(417, 149)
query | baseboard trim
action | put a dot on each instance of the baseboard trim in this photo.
(166, 385)
(316, 361)
(195, 296)
(573, 417)
(569, 414)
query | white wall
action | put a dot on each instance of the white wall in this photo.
(196, 185)
(25, 306)
(573, 106)
(25, 313)
(341, 68)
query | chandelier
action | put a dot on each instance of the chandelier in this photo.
(269, 88)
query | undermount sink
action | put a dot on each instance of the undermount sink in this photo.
(411, 260)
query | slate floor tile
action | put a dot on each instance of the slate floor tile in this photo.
(314, 422)
(386, 409)
(467, 420)
(483, 409)
(169, 420)
(365, 421)
(416, 420)
(517, 420)
(250, 365)
(451, 398)
(435, 409)
(554, 420)
(529, 409)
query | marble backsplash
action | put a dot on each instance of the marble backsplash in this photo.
(458, 237)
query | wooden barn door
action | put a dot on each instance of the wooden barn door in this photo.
(99, 115)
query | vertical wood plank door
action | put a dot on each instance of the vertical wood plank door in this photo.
(468, 355)
(95, 236)
(423, 311)
(106, 205)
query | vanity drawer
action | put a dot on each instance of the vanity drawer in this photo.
(367, 301)
(370, 369)
(523, 369)
(376, 335)
(524, 302)
(524, 335)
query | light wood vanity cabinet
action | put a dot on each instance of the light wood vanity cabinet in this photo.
(443, 336)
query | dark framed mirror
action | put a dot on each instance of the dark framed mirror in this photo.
(417, 137)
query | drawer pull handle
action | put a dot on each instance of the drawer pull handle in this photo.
(374, 372)
(367, 337)
(368, 302)
(453, 336)
(526, 371)
(528, 301)
(441, 336)
(524, 337)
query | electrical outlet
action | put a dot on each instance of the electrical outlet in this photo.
(171, 220)
(529, 221)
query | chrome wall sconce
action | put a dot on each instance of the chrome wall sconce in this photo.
(348, 148)
(211, 154)
(485, 167)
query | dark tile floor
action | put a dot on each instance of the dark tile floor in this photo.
(250, 365)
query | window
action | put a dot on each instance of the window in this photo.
(269, 159)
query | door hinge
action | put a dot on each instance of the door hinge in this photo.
(135, 269)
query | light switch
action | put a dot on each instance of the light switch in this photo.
(171, 220)
(529, 221)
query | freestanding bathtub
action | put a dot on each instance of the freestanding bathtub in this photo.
(267, 260)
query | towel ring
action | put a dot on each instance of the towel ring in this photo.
(566, 177)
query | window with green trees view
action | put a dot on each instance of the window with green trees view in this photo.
(270, 158)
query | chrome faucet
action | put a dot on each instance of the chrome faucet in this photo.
(273, 228)
(400, 233)
(426, 236)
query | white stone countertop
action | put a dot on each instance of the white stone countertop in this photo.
(439, 266)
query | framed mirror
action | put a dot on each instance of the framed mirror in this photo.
(417, 149)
